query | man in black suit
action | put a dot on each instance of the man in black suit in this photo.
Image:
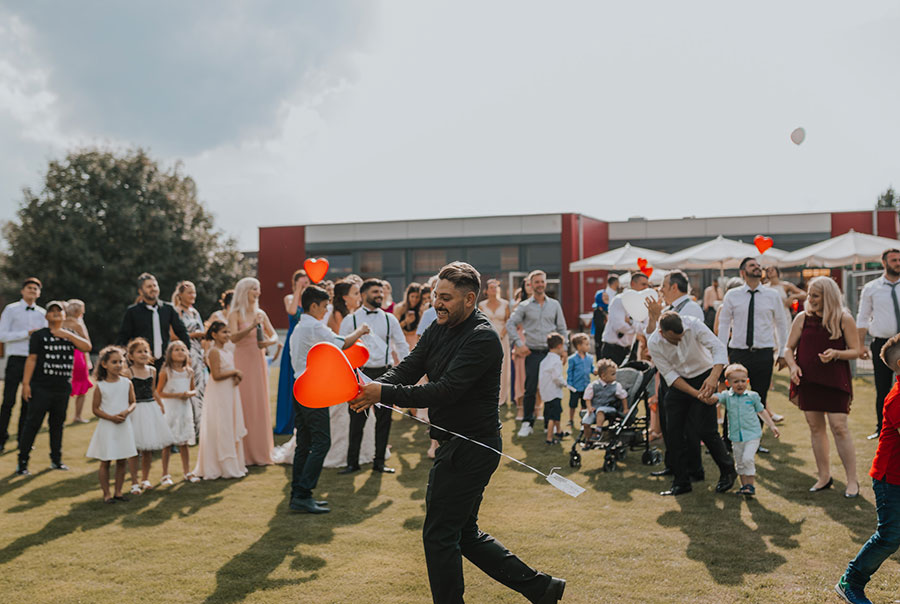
(150, 318)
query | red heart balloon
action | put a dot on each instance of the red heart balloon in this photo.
(327, 380)
(316, 269)
(642, 263)
(647, 270)
(763, 243)
(357, 355)
(795, 305)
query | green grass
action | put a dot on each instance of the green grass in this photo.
(236, 541)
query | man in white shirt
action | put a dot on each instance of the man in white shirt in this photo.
(620, 331)
(385, 335)
(879, 316)
(753, 325)
(690, 359)
(17, 322)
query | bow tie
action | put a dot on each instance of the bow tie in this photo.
(29, 308)
(370, 312)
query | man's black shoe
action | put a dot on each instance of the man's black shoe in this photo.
(349, 470)
(22, 470)
(322, 503)
(763, 450)
(383, 469)
(554, 591)
(59, 466)
(677, 490)
(698, 477)
(307, 506)
(664, 472)
(726, 482)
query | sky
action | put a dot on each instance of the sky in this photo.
(347, 111)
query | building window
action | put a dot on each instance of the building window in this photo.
(382, 262)
(544, 256)
(494, 258)
(429, 261)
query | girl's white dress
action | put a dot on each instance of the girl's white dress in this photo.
(151, 431)
(179, 413)
(113, 441)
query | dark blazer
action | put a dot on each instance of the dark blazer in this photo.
(138, 322)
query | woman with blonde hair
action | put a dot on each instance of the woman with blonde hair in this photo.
(822, 342)
(183, 299)
(251, 333)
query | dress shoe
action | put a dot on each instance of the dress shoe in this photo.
(677, 490)
(307, 506)
(824, 487)
(763, 450)
(59, 466)
(322, 503)
(699, 477)
(554, 591)
(726, 481)
(383, 469)
(22, 470)
(349, 470)
(663, 472)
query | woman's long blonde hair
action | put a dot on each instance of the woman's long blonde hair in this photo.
(240, 304)
(832, 310)
(179, 289)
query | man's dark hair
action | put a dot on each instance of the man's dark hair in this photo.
(612, 279)
(637, 277)
(144, 277)
(462, 275)
(369, 284)
(313, 295)
(745, 261)
(885, 253)
(671, 321)
(890, 352)
(34, 280)
(553, 340)
(679, 280)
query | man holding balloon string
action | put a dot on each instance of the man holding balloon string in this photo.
(461, 354)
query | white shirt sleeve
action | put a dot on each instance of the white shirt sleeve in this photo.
(663, 365)
(725, 320)
(863, 317)
(620, 392)
(617, 318)
(588, 393)
(709, 340)
(324, 334)
(512, 325)
(398, 341)
(7, 333)
(296, 350)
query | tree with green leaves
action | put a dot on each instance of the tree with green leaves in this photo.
(101, 219)
(888, 200)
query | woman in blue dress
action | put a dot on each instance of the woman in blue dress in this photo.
(284, 411)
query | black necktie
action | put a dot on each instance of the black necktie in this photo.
(750, 313)
(370, 312)
(32, 307)
(894, 300)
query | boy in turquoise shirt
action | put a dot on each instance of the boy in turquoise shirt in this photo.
(744, 408)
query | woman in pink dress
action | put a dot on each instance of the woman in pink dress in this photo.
(252, 333)
(81, 381)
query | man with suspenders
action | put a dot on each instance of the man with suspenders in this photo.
(384, 334)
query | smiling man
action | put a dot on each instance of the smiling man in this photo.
(462, 356)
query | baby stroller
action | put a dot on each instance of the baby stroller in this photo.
(629, 433)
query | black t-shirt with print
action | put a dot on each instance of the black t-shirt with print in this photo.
(54, 360)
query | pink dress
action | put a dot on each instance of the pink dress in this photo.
(254, 388)
(221, 453)
(81, 381)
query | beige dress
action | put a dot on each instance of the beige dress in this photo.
(498, 320)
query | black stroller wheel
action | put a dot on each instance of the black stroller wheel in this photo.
(651, 457)
(609, 464)
(574, 460)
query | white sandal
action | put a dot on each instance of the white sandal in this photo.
(191, 477)
(167, 481)
(145, 485)
(136, 489)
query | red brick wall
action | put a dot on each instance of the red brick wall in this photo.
(282, 250)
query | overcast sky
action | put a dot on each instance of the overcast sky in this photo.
(332, 111)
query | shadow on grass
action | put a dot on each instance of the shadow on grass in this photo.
(70, 487)
(249, 571)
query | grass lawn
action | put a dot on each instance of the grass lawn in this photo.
(236, 540)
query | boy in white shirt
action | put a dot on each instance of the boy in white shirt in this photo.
(551, 384)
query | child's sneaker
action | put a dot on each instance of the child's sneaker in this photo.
(853, 595)
(748, 490)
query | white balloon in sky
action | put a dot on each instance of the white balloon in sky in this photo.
(798, 136)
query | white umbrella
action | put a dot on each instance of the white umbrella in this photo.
(622, 258)
(720, 253)
(844, 250)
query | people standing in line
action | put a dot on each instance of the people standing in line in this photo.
(602, 300)
(224, 308)
(312, 424)
(284, 406)
(690, 359)
(252, 332)
(579, 370)
(151, 431)
(885, 473)
(222, 428)
(17, 322)
(47, 384)
(461, 354)
(408, 312)
(183, 300)
(496, 309)
(712, 297)
(384, 337)
(879, 316)
(152, 319)
(176, 388)
(621, 330)
(517, 376)
(113, 438)
(539, 316)
(822, 342)
(346, 300)
(81, 379)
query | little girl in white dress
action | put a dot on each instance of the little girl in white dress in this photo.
(176, 389)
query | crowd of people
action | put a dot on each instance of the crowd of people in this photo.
(173, 380)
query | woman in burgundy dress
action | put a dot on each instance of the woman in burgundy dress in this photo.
(822, 343)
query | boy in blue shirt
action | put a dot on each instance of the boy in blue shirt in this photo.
(581, 364)
(744, 408)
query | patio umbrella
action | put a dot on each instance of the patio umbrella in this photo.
(720, 253)
(844, 250)
(622, 258)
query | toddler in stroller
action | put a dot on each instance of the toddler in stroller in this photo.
(605, 398)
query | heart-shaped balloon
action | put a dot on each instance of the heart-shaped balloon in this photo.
(647, 270)
(763, 243)
(316, 268)
(634, 303)
(357, 354)
(327, 380)
(795, 305)
(642, 262)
